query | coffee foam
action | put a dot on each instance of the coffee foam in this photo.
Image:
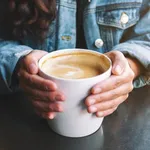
(73, 66)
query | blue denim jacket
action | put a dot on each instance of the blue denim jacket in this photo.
(122, 25)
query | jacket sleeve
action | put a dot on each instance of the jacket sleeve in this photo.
(10, 53)
(139, 45)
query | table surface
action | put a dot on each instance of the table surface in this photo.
(126, 129)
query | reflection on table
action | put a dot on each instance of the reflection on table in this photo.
(126, 129)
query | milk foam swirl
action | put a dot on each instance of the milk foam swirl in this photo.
(70, 66)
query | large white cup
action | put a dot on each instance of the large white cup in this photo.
(75, 121)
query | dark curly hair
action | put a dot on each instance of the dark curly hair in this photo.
(31, 17)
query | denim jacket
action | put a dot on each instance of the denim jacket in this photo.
(122, 25)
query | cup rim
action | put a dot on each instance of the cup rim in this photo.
(70, 50)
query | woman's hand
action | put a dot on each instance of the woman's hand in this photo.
(42, 93)
(107, 95)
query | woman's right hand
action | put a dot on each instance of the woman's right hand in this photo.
(43, 93)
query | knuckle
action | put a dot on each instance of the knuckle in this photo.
(117, 83)
(51, 107)
(115, 93)
(101, 98)
(102, 107)
(51, 96)
(46, 88)
(44, 85)
(45, 97)
(118, 53)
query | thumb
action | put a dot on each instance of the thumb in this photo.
(31, 61)
(119, 62)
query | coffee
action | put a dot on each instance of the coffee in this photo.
(73, 65)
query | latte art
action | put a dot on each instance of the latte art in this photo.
(73, 66)
(66, 71)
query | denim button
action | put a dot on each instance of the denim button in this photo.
(99, 43)
(124, 18)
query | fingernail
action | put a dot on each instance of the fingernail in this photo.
(33, 68)
(91, 101)
(100, 114)
(92, 109)
(97, 90)
(118, 69)
(51, 116)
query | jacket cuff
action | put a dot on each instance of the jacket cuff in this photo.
(14, 83)
(9, 78)
(142, 54)
(141, 81)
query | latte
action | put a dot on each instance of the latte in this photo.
(75, 72)
(73, 65)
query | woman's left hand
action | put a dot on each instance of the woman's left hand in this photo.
(107, 95)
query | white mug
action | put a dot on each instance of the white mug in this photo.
(75, 121)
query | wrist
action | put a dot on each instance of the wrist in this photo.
(136, 66)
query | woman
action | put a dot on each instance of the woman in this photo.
(118, 28)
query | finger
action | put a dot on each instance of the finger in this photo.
(31, 61)
(37, 82)
(46, 115)
(106, 105)
(119, 62)
(43, 95)
(105, 113)
(47, 107)
(113, 82)
(112, 94)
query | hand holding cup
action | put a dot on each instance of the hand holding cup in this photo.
(43, 93)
